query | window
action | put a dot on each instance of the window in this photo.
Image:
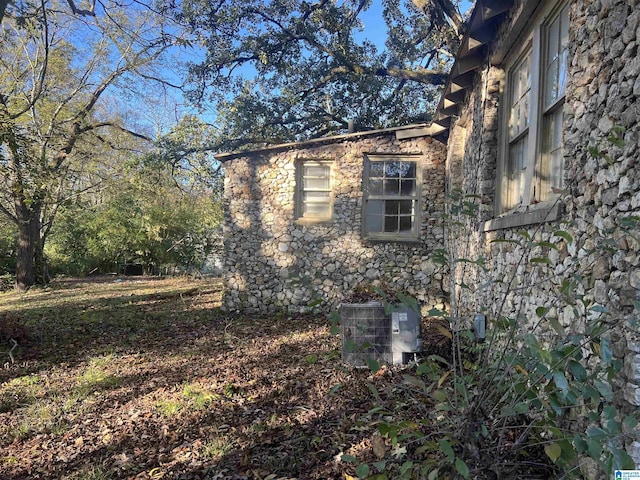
(314, 198)
(532, 166)
(391, 198)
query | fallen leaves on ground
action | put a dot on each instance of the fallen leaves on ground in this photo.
(148, 379)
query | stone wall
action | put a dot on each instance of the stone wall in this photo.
(602, 93)
(275, 263)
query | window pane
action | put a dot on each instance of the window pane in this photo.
(516, 170)
(408, 187)
(408, 170)
(316, 183)
(375, 187)
(392, 169)
(389, 180)
(520, 84)
(551, 168)
(551, 85)
(375, 209)
(319, 209)
(555, 66)
(406, 223)
(316, 171)
(390, 223)
(391, 187)
(406, 206)
(316, 197)
(376, 169)
(391, 207)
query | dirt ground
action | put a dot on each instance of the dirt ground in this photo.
(147, 378)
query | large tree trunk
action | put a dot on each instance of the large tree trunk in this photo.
(30, 261)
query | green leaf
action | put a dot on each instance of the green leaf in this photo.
(596, 434)
(406, 466)
(525, 234)
(563, 234)
(541, 311)
(462, 468)
(577, 370)
(553, 451)
(334, 330)
(350, 346)
(594, 449)
(335, 389)
(436, 312)
(630, 422)
(416, 382)
(599, 309)
(580, 444)
(561, 382)
(543, 260)
(445, 447)
(556, 325)
(348, 458)
(380, 465)
(433, 474)
(605, 351)
(374, 366)
(622, 460)
(594, 152)
(362, 470)
(408, 301)
(522, 407)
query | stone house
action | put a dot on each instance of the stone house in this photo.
(310, 221)
(540, 115)
(537, 130)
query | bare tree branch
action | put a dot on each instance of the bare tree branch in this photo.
(80, 11)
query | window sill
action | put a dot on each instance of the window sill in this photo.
(391, 239)
(532, 215)
(313, 221)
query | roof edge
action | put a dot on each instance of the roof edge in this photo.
(402, 132)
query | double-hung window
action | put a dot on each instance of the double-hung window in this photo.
(314, 196)
(391, 204)
(532, 166)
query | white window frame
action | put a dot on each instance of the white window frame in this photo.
(370, 196)
(300, 213)
(536, 187)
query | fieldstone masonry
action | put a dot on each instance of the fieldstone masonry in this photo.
(602, 95)
(275, 263)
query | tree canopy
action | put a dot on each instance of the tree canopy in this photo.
(290, 69)
(61, 79)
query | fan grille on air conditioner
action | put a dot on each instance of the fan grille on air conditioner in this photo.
(366, 334)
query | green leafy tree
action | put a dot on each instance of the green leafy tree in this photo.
(151, 214)
(289, 69)
(55, 105)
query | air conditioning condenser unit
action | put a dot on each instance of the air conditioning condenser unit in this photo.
(369, 333)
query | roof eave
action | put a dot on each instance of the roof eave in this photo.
(403, 132)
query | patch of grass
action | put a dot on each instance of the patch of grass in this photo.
(39, 417)
(198, 397)
(22, 431)
(96, 377)
(93, 473)
(19, 392)
(169, 408)
(217, 448)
